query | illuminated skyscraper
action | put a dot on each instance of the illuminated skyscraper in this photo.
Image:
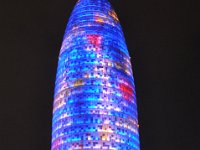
(94, 102)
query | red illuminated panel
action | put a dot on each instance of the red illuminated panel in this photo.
(94, 39)
(127, 91)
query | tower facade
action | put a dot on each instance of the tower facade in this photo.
(94, 100)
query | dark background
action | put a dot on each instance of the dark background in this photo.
(163, 37)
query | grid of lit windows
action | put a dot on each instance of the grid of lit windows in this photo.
(94, 101)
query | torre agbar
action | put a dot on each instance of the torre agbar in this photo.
(94, 101)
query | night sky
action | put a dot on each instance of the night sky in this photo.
(163, 37)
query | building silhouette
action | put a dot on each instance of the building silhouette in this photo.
(94, 101)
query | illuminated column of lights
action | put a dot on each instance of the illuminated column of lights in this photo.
(94, 100)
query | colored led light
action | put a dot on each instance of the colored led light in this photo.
(94, 98)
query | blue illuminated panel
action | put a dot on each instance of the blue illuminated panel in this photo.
(94, 101)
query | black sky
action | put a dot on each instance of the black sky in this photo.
(163, 37)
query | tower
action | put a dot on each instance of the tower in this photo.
(94, 101)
